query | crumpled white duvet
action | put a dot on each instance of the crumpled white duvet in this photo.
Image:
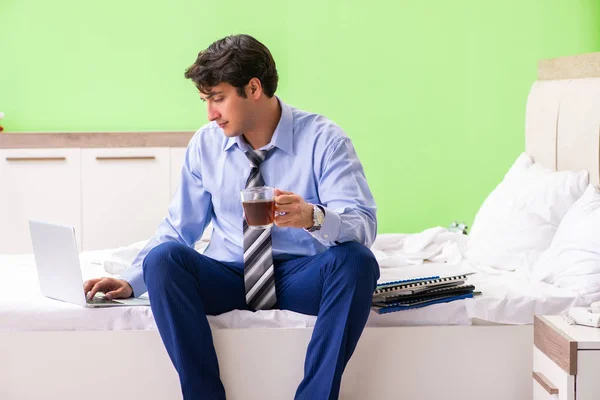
(507, 297)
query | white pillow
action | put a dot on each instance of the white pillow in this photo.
(517, 221)
(573, 259)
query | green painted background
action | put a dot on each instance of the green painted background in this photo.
(432, 92)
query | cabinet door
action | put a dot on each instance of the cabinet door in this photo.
(125, 194)
(554, 377)
(588, 367)
(40, 184)
(177, 159)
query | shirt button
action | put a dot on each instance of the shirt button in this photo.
(325, 236)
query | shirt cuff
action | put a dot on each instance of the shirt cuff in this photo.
(135, 278)
(330, 230)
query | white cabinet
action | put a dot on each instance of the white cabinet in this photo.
(42, 184)
(125, 194)
(113, 187)
(177, 160)
(566, 360)
(550, 381)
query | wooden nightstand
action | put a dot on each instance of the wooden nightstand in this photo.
(566, 360)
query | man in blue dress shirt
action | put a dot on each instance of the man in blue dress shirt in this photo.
(315, 260)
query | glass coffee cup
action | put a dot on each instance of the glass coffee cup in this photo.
(259, 206)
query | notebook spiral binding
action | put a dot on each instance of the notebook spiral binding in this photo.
(432, 292)
(403, 282)
(421, 283)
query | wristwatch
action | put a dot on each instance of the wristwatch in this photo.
(318, 218)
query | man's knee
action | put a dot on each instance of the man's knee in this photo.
(161, 258)
(355, 261)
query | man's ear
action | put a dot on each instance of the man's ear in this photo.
(255, 88)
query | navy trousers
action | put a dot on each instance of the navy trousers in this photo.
(185, 286)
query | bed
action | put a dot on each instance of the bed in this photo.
(469, 349)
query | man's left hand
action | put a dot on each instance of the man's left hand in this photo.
(291, 211)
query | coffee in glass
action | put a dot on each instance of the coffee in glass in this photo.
(259, 206)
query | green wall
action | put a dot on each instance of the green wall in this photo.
(432, 92)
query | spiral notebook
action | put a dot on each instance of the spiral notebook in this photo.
(460, 289)
(422, 303)
(389, 290)
(420, 292)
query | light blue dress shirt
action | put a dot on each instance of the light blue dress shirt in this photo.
(311, 156)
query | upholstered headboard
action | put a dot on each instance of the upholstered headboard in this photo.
(562, 129)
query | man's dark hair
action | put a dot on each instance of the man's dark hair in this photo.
(235, 60)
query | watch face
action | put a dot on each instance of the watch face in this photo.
(319, 216)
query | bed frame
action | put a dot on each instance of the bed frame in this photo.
(492, 362)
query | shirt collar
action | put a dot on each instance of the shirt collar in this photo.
(283, 137)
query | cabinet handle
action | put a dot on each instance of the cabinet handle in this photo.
(12, 159)
(110, 158)
(545, 383)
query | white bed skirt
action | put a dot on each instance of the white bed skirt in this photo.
(409, 363)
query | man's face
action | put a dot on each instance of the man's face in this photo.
(232, 112)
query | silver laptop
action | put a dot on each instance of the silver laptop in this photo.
(59, 271)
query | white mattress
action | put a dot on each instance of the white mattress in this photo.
(508, 298)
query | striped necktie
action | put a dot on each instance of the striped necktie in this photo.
(259, 279)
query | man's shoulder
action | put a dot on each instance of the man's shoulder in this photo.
(317, 126)
(208, 137)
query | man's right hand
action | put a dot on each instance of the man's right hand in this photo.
(112, 288)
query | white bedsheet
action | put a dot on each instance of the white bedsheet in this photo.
(508, 297)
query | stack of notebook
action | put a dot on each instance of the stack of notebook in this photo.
(421, 292)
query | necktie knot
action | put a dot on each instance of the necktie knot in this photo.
(256, 157)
